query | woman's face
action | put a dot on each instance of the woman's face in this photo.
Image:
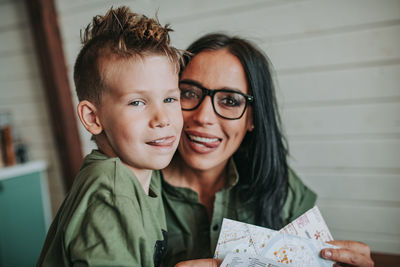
(207, 140)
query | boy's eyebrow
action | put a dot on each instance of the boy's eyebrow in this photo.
(173, 89)
(149, 92)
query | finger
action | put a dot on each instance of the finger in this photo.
(347, 256)
(355, 246)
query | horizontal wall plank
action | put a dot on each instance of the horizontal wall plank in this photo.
(12, 14)
(379, 242)
(21, 90)
(342, 154)
(321, 53)
(14, 41)
(289, 19)
(285, 18)
(20, 65)
(341, 85)
(34, 111)
(384, 187)
(338, 49)
(361, 218)
(77, 7)
(166, 9)
(320, 118)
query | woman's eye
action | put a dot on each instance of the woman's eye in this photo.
(231, 102)
(189, 94)
(137, 103)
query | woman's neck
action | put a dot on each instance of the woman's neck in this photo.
(206, 183)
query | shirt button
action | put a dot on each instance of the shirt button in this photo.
(215, 227)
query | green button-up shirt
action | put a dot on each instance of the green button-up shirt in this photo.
(191, 235)
(107, 219)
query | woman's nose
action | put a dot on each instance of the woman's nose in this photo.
(204, 114)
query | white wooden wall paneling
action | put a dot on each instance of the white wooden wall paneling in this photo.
(14, 40)
(358, 186)
(258, 23)
(340, 86)
(380, 241)
(18, 66)
(340, 49)
(28, 113)
(288, 19)
(338, 69)
(364, 223)
(12, 14)
(21, 92)
(361, 218)
(357, 119)
(347, 153)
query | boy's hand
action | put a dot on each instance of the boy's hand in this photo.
(351, 253)
(200, 263)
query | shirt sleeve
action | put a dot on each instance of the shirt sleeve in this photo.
(299, 199)
(108, 233)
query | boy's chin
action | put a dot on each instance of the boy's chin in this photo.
(160, 164)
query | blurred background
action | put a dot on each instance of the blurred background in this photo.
(337, 67)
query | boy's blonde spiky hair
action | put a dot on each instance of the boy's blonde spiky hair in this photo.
(123, 34)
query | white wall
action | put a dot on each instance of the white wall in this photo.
(338, 67)
(22, 92)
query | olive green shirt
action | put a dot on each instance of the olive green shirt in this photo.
(107, 219)
(191, 235)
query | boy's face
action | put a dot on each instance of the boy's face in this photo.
(140, 112)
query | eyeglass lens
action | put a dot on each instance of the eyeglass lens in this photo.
(227, 104)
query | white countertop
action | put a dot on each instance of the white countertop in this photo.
(22, 169)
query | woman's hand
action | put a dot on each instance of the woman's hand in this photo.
(350, 253)
(200, 263)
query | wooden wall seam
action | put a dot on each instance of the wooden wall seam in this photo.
(48, 45)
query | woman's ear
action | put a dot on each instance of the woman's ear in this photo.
(87, 113)
(249, 122)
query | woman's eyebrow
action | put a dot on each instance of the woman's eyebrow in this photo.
(195, 83)
(192, 82)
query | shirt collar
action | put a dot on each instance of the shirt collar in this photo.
(189, 195)
(232, 174)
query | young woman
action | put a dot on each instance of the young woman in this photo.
(232, 155)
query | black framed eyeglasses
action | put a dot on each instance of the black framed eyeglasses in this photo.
(228, 104)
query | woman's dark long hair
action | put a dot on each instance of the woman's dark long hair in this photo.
(261, 157)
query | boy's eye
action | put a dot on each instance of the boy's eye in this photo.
(170, 100)
(137, 103)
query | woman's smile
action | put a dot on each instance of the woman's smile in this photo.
(201, 140)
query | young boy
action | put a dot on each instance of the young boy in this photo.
(126, 77)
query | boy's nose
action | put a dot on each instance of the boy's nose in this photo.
(160, 118)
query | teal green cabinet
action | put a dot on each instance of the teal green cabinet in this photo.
(24, 213)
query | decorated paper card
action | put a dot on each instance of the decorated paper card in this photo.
(250, 243)
(309, 225)
(240, 260)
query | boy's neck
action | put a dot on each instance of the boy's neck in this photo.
(143, 175)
